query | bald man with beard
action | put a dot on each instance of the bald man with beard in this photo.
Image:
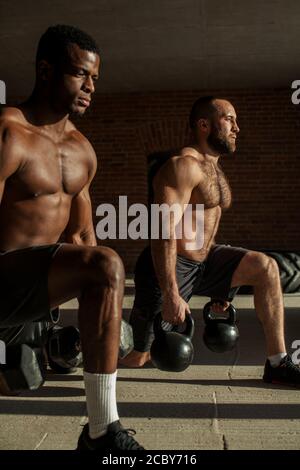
(169, 272)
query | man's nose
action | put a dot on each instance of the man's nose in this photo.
(236, 127)
(89, 85)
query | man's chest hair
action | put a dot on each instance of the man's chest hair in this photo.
(214, 189)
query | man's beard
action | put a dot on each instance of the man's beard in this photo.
(76, 112)
(219, 143)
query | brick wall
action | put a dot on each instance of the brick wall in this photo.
(264, 173)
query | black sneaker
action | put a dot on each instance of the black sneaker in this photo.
(116, 438)
(286, 373)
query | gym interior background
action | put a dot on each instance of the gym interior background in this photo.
(158, 56)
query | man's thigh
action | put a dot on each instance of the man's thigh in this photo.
(220, 266)
(74, 267)
(24, 285)
(35, 280)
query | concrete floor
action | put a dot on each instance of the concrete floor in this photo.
(218, 403)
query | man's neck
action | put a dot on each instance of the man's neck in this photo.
(39, 112)
(204, 151)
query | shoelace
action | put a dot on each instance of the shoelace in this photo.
(126, 439)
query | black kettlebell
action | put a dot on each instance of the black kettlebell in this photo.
(220, 334)
(172, 351)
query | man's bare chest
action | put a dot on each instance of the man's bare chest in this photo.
(50, 169)
(214, 189)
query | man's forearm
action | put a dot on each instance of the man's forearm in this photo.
(164, 255)
(86, 238)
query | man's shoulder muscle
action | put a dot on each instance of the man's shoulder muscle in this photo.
(180, 170)
(10, 113)
(11, 140)
(12, 124)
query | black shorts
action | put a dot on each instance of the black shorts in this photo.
(211, 278)
(24, 285)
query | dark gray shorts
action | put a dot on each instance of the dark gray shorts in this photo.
(211, 278)
(24, 285)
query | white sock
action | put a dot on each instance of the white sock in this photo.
(275, 360)
(100, 390)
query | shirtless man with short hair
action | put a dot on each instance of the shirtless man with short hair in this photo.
(168, 274)
(46, 168)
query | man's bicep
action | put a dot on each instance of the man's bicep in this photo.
(10, 156)
(175, 183)
(80, 226)
(2, 184)
(80, 229)
(4, 171)
(164, 194)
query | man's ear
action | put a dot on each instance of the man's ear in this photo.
(44, 70)
(203, 125)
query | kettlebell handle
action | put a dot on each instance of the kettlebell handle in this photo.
(189, 329)
(232, 316)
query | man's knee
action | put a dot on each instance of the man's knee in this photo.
(272, 268)
(261, 265)
(105, 266)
